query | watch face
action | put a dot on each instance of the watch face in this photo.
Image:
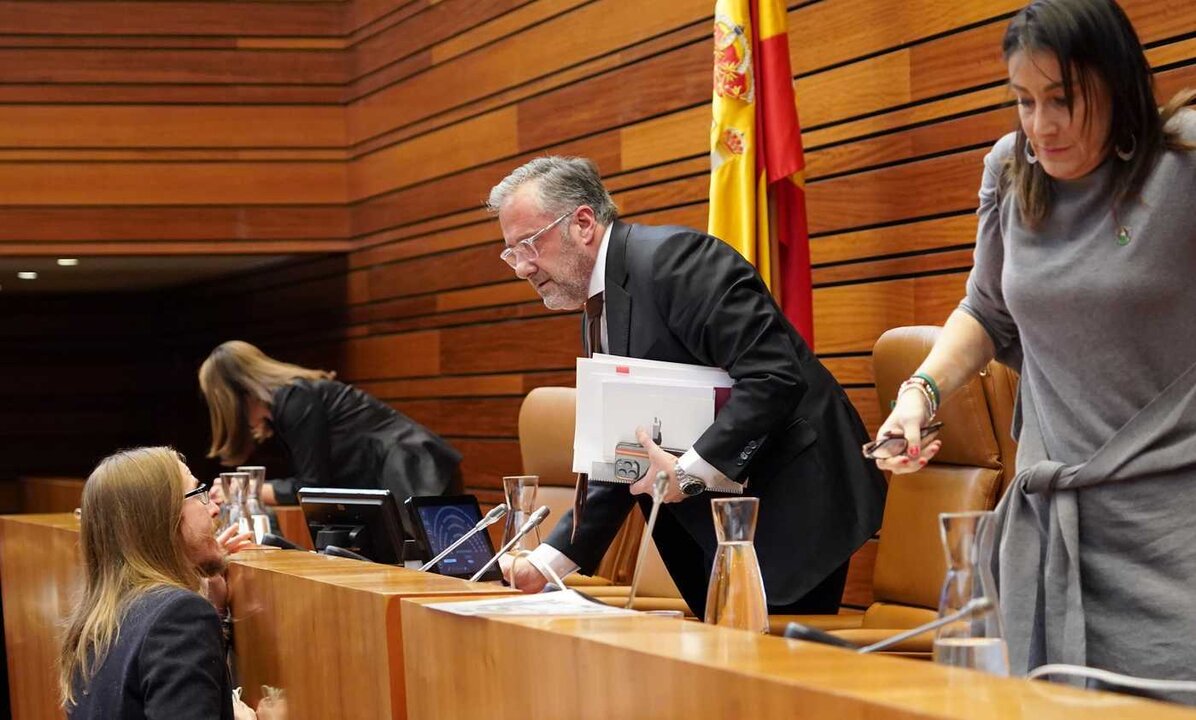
(692, 487)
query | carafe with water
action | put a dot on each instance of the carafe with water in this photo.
(258, 520)
(735, 597)
(978, 641)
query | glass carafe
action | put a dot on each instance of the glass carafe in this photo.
(231, 485)
(236, 497)
(735, 597)
(520, 493)
(258, 519)
(976, 640)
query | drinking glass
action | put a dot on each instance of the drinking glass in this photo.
(520, 492)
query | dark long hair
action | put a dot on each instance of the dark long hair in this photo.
(1093, 41)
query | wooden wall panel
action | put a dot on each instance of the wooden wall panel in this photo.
(377, 127)
(167, 17)
(900, 101)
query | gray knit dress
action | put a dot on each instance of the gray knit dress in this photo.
(1097, 562)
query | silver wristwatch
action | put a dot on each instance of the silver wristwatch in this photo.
(690, 484)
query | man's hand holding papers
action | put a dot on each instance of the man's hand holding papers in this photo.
(662, 461)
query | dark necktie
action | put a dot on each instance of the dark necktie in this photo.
(593, 340)
(594, 325)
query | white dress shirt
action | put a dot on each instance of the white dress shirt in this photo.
(546, 556)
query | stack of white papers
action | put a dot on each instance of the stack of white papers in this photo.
(615, 395)
(565, 603)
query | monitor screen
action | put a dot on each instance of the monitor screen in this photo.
(365, 521)
(439, 521)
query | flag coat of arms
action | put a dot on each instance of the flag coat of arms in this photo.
(757, 189)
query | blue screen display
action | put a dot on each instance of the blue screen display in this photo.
(444, 524)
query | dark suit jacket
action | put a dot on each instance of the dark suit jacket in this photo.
(339, 436)
(167, 664)
(788, 429)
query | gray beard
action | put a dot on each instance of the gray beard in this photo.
(573, 279)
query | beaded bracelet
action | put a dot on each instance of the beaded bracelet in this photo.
(920, 385)
(934, 388)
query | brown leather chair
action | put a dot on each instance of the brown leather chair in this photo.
(969, 473)
(546, 421)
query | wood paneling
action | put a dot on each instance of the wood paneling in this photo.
(377, 127)
(167, 17)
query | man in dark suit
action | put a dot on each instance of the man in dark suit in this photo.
(787, 433)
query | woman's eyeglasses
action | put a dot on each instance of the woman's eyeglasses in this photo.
(894, 445)
(201, 491)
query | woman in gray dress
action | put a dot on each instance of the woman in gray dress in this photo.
(1082, 282)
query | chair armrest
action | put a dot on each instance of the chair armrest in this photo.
(919, 645)
(645, 603)
(586, 581)
(846, 619)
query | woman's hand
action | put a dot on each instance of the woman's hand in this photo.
(909, 416)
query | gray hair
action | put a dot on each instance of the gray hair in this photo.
(562, 184)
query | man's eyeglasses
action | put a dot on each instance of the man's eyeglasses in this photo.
(525, 249)
(894, 445)
(201, 491)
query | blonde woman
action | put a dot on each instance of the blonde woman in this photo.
(334, 434)
(142, 642)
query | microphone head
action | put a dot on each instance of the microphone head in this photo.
(536, 518)
(496, 513)
(979, 606)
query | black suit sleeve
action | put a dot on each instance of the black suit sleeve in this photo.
(301, 423)
(607, 505)
(183, 676)
(718, 307)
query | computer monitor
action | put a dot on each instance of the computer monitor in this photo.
(365, 521)
(438, 521)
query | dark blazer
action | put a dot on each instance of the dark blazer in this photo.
(339, 436)
(787, 430)
(166, 664)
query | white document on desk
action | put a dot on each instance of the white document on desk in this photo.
(557, 604)
(638, 391)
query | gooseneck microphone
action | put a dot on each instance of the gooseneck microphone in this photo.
(659, 484)
(532, 521)
(336, 551)
(279, 542)
(977, 607)
(492, 517)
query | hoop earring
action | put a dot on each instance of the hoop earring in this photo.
(1030, 156)
(1126, 156)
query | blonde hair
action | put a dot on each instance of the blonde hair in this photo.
(234, 371)
(130, 536)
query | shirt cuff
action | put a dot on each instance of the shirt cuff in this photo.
(546, 556)
(693, 464)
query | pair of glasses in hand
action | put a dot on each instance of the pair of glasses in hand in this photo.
(893, 445)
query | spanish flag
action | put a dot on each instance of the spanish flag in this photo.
(757, 191)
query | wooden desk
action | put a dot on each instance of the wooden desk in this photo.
(40, 572)
(328, 630)
(664, 668)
